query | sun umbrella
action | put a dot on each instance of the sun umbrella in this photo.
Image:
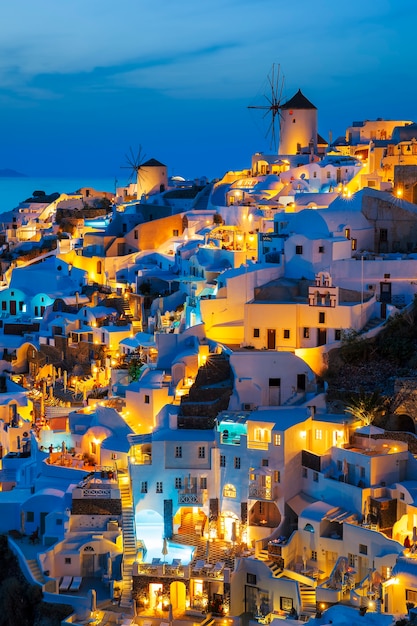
(164, 548)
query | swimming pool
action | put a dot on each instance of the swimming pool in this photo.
(150, 530)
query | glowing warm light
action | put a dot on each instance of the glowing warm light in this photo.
(96, 441)
(303, 434)
(399, 193)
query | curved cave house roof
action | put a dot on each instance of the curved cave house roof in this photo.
(298, 101)
(404, 133)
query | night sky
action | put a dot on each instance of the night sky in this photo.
(82, 81)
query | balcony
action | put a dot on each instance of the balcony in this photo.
(260, 492)
(194, 497)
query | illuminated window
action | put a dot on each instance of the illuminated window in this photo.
(354, 244)
(277, 439)
(319, 434)
(277, 476)
(229, 491)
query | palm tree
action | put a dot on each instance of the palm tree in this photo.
(366, 407)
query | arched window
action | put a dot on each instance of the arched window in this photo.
(229, 491)
(309, 528)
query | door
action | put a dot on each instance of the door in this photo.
(271, 338)
(301, 382)
(274, 392)
(87, 564)
(42, 522)
(384, 292)
(321, 336)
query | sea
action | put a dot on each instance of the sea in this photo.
(15, 190)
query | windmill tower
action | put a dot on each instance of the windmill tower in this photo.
(298, 130)
(149, 176)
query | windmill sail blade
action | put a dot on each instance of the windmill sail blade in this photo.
(275, 86)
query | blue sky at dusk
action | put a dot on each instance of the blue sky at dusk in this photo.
(83, 80)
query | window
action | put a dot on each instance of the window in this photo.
(229, 491)
(362, 472)
(30, 516)
(203, 482)
(59, 521)
(251, 579)
(354, 244)
(147, 399)
(4, 305)
(309, 528)
(178, 452)
(277, 476)
(277, 439)
(337, 334)
(347, 233)
(304, 472)
(351, 560)
(237, 462)
(321, 249)
(178, 483)
(298, 249)
(286, 333)
(319, 434)
(144, 487)
(67, 560)
(135, 232)
(401, 495)
(159, 487)
(328, 174)
(383, 234)
(314, 555)
(316, 477)
(175, 232)
(222, 460)
(265, 462)
(363, 549)
(306, 333)
(314, 174)
(322, 317)
(201, 452)
(411, 595)
(285, 604)
(256, 332)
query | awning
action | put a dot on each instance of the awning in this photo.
(300, 502)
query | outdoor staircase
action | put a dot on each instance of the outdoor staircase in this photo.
(129, 540)
(308, 601)
(36, 571)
